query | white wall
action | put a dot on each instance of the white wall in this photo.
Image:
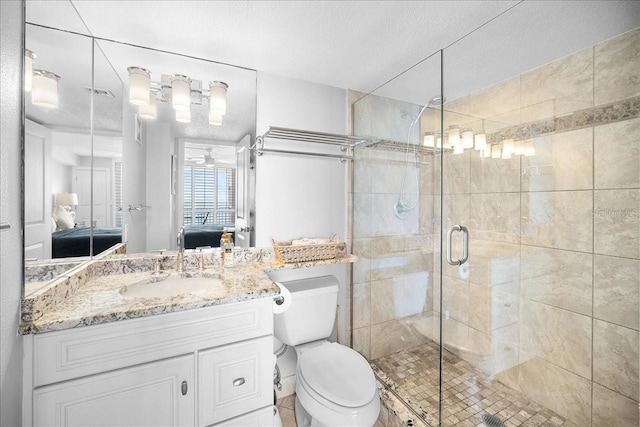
(11, 264)
(299, 196)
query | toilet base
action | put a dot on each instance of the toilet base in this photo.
(303, 418)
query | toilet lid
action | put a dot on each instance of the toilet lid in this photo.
(339, 374)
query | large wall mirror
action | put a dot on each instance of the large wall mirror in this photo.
(101, 170)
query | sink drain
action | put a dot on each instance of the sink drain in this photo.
(492, 421)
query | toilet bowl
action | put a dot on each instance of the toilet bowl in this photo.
(335, 385)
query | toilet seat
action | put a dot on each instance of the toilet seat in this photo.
(337, 374)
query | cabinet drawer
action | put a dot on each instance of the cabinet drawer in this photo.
(234, 379)
(72, 353)
(260, 418)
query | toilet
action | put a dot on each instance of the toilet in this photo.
(335, 385)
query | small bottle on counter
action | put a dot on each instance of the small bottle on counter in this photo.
(226, 248)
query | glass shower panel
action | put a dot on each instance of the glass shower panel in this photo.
(540, 325)
(395, 234)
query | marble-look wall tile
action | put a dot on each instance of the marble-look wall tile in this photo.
(495, 216)
(561, 391)
(417, 294)
(384, 220)
(390, 169)
(492, 263)
(386, 338)
(362, 170)
(456, 174)
(615, 358)
(558, 336)
(361, 305)
(558, 278)
(563, 161)
(495, 307)
(494, 101)
(362, 267)
(362, 341)
(494, 175)
(560, 219)
(611, 409)
(455, 298)
(567, 81)
(455, 209)
(617, 155)
(616, 294)
(386, 299)
(617, 62)
(362, 205)
(617, 223)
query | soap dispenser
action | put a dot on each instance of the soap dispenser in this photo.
(226, 248)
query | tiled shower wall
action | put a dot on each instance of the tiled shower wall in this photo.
(549, 301)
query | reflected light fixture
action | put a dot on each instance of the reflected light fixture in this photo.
(29, 58)
(467, 138)
(509, 147)
(183, 116)
(44, 89)
(67, 200)
(480, 141)
(180, 92)
(215, 119)
(139, 85)
(218, 98)
(529, 149)
(428, 140)
(453, 135)
(149, 111)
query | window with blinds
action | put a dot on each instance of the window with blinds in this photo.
(118, 193)
(209, 195)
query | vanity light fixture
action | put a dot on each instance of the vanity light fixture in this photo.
(529, 149)
(183, 116)
(29, 58)
(480, 141)
(467, 138)
(428, 140)
(453, 135)
(44, 89)
(218, 98)
(215, 119)
(180, 91)
(139, 85)
(149, 111)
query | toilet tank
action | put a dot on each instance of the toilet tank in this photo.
(312, 312)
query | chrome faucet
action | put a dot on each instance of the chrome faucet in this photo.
(180, 241)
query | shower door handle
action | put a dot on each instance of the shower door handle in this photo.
(465, 244)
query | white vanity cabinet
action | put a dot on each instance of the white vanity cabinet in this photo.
(202, 367)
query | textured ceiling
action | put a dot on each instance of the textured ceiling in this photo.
(359, 44)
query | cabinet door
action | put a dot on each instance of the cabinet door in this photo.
(235, 379)
(145, 395)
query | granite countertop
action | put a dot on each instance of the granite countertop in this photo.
(98, 294)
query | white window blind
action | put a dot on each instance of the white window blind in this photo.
(209, 195)
(118, 185)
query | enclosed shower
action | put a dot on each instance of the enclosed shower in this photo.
(498, 238)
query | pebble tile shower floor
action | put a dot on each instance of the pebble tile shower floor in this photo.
(468, 394)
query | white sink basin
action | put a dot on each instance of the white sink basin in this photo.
(170, 285)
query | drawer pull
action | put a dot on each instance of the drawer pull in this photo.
(184, 388)
(238, 382)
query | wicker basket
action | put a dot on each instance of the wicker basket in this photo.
(287, 253)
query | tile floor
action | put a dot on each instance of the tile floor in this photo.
(468, 393)
(286, 408)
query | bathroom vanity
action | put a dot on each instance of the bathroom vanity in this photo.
(96, 356)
